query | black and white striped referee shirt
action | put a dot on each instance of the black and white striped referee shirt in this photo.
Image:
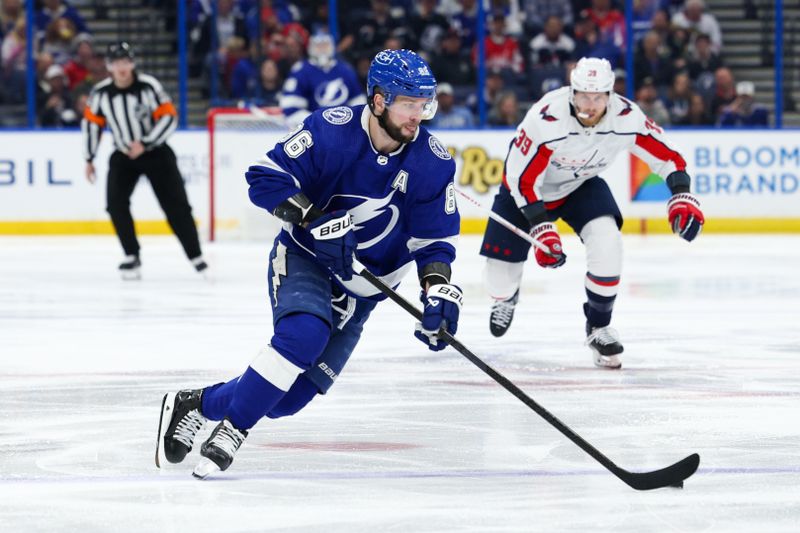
(142, 112)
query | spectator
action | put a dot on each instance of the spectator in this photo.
(647, 100)
(58, 40)
(450, 65)
(319, 82)
(694, 19)
(267, 14)
(77, 68)
(54, 98)
(502, 50)
(724, 91)
(610, 22)
(466, 22)
(229, 23)
(97, 72)
(679, 99)
(620, 81)
(642, 19)
(698, 112)
(10, 13)
(262, 87)
(551, 47)
(495, 84)
(427, 28)
(449, 115)
(369, 31)
(538, 11)
(744, 111)
(13, 58)
(588, 43)
(505, 111)
(52, 10)
(660, 24)
(652, 62)
(702, 59)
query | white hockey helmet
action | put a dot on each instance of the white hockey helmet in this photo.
(592, 75)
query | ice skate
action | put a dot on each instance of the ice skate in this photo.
(218, 451)
(180, 421)
(200, 266)
(502, 313)
(605, 346)
(131, 268)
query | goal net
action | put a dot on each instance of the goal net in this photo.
(237, 138)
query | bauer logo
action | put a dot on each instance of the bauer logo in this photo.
(338, 115)
(438, 148)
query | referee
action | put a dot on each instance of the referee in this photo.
(140, 116)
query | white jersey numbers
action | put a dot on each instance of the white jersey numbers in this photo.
(297, 145)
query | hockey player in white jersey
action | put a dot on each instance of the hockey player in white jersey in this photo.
(552, 170)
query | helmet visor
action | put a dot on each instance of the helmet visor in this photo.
(406, 107)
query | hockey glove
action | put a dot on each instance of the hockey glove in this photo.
(552, 255)
(334, 242)
(442, 305)
(685, 216)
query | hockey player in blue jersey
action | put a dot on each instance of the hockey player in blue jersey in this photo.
(319, 82)
(364, 183)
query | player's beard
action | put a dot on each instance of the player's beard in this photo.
(393, 130)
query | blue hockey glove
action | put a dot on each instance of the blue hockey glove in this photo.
(334, 242)
(442, 305)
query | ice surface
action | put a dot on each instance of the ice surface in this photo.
(407, 440)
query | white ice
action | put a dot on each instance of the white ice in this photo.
(407, 440)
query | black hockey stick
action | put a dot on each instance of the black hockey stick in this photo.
(671, 476)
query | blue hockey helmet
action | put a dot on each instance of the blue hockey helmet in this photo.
(402, 73)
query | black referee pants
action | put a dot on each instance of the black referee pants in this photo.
(161, 168)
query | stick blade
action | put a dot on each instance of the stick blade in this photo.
(673, 475)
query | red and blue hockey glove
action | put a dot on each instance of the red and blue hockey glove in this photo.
(442, 306)
(685, 216)
(552, 255)
(334, 242)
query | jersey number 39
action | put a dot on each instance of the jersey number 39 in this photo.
(523, 142)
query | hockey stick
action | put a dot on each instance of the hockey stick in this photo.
(506, 224)
(671, 476)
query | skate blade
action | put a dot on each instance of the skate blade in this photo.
(166, 415)
(131, 275)
(205, 468)
(611, 362)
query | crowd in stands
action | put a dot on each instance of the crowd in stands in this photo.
(248, 49)
(66, 62)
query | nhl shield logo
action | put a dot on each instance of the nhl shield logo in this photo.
(338, 115)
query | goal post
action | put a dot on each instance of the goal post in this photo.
(237, 137)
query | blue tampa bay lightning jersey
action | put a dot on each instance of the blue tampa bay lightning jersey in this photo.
(310, 87)
(403, 204)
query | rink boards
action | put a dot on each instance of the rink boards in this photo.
(747, 181)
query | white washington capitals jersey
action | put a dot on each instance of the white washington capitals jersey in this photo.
(553, 154)
(402, 204)
(310, 87)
